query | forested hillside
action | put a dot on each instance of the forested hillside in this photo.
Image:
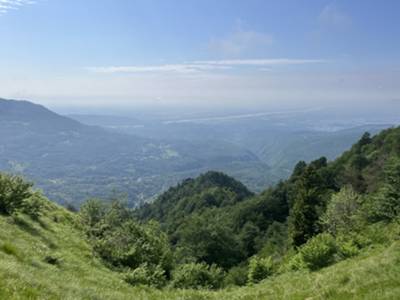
(331, 231)
(325, 200)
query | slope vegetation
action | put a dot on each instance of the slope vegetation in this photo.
(51, 259)
(331, 231)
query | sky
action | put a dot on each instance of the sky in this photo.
(200, 53)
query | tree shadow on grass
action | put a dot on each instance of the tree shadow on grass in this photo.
(27, 227)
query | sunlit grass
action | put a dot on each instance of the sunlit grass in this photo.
(50, 259)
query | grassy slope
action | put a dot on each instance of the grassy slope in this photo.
(24, 274)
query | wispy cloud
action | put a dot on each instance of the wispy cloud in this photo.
(261, 62)
(7, 5)
(205, 65)
(176, 68)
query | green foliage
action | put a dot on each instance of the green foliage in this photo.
(147, 275)
(385, 204)
(34, 205)
(197, 276)
(310, 191)
(259, 269)
(236, 276)
(216, 226)
(341, 214)
(212, 189)
(13, 193)
(248, 237)
(295, 263)
(319, 251)
(141, 249)
(214, 219)
(371, 275)
(132, 245)
(209, 241)
(275, 241)
(347, 249)
(92, 212)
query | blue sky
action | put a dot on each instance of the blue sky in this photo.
(199, 52)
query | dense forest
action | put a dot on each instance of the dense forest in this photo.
(211, 232)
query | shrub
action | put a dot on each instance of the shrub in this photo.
(295, 263)
(147, 275)
(236, 276)
(13, 193)
(259, 269)
(131, 245)
(33, 205)
(319, 251)
(197, 275)
(347, 249)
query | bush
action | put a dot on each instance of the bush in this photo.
(33, 205)
(13, 193)
(295, 263)
(197, 275)
(147, 275)
(319, 251)
(259, 269)
(131, 245)
(236, 276)
(347, 249)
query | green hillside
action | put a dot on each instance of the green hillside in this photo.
(331, 231)
(28, 246)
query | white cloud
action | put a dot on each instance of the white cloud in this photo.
(204, 65)
(176, 68)
(7, 5)
(332, 16)
(261, 62)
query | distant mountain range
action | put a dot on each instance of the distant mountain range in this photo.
(71, 161)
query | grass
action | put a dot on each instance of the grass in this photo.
(50, 259)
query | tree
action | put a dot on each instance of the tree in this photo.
(304, 214)
(365, 139)
(340, 215)
(92, 213)
(209, 241)
(14, 191)
(248, 236)
(386, 203)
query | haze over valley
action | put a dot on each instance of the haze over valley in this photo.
(79, 156)
(187, 149)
